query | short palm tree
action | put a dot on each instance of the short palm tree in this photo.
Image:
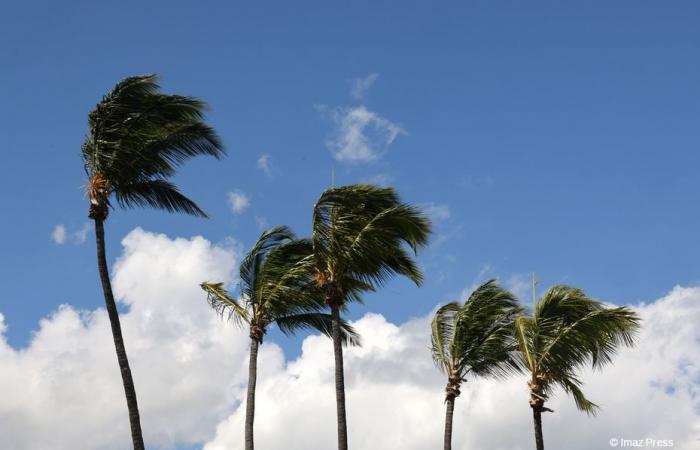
(474, 339)
(359, 237)
(277, 286)
(138, 137)
(566, 332)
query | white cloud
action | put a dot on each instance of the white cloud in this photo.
(360, 135)
(59, 234)
(81, 235)
(264, 164)
(438, 212)
(360, 86)
(63, 390)
(395, 394)
(521, 285)
(238, 201)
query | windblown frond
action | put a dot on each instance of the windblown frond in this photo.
(319, 322)
(225, 305)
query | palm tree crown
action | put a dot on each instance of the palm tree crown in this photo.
(138, 138)
(276, 286)
(475, 338)
(566, 332)
(359, 232)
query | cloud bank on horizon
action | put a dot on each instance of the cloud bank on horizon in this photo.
(63, 390)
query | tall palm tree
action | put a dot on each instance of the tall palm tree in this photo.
(277, 286)
(138, 138)
(474, 339)
(359, 237)
(567, 331)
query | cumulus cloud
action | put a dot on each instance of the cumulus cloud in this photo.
(63, 391)
(394, 393)
(61, 235)
(360, 135)
(238, 201)
(264, 164)
(360, 86)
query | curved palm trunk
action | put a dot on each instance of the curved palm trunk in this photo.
(339, 379)
(250, 400)
(127, 380)
(450, 402)
(537, 419)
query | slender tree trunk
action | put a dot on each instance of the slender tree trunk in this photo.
(450, 403)
(537, 419)
(127, 381)
(339, 379)
(250, 401)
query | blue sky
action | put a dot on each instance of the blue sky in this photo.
(550, 137)
(554, 137)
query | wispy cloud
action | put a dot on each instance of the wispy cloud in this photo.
(61, 235)
(238, 201)
(261, 222)
(438, 212)
(380, 179)
(264, 164)
(360, 135)
(360, 86)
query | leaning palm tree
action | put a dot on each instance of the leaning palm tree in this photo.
(277, 286)
(474, 339)
(566, 332)
(137, 139)
(358, 238)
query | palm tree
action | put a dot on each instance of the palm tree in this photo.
(276, 286)
(358, 238)
(475, 339)
(138, 138)
(566, 332)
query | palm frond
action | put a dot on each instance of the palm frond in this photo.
(224, 305)
(158, 194)
(319, 322)
(571, 386)
(443, 328)
(256, 256)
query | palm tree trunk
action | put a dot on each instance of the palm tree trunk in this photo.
(250, 402)
(127, 381)
(537, 418)
(450, 401)
(339, 379)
